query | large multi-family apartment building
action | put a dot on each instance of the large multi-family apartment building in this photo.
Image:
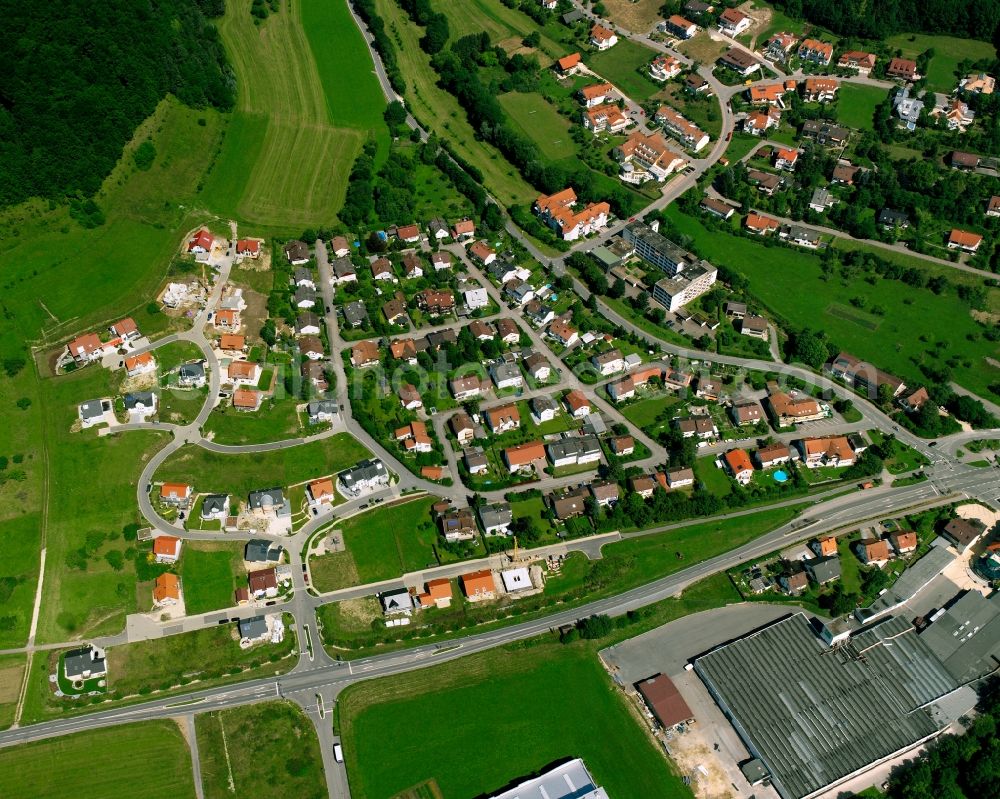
(557, 211)
(687, 276)
(681, 128)
(647, 156)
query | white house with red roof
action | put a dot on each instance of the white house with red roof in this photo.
(201, 242)
(602, 38)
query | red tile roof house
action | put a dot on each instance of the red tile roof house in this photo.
(964, 240)
(480, 251)
(201, 242)
(903, 542)
(140, 364)
(859, 60)
(902, 68)
(166, 549)
(176, 494)
(524, 455)
(408, 233)
(568, 64)
(125, 329)
(409, 397)
(596, 94)
(464, 230)
(816, 51)
(739, 465)
(577, 403)
(263, 583)
(85, 348)
(786, 159)
(602, 38)
(246, 399)
(340, 247)
(874, 553)
(502, 419)
(732, 22)
(248, 248)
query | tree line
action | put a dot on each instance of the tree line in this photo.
(973, 19)
(77, 78)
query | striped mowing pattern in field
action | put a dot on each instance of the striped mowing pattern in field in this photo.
(284, 161)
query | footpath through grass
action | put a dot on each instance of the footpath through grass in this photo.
(533, 704)
(101, 762)
(267, 751)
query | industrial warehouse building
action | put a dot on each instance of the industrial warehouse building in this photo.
(816, 715)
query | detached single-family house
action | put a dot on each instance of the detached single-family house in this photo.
(874, 553)
(201, 242)
(166, 549)
(85, 348)
(191, 375)
(297, 253)
(732, 22)
(263, 583)
(464, 230)
(506, 375)
(577, 403)
(140, 364)
(964, 240)
(178, 495)
(602, 38)
(215, 507)
(166, 589)
(524, 456)
(125, 329)
(495, 518)
(322, 411)
(739, 465)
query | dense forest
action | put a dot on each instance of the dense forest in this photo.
(876, 19)
(957, 766)
(77, 78)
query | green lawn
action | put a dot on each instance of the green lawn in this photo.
(791, 284)
(57, 768)
(11, 672)
(541, 123)
(268, 751)
(624, 65)
(856, 105)
(717, 481)
(294, 106)
(381, 544)
(948, 52)
(548, 723)
(275, 420)
(237, 475)
(646, 412)
(210, 573)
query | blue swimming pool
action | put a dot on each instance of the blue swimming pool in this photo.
(780, 476)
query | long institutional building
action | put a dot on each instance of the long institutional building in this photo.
(687, 277)
(819, 705)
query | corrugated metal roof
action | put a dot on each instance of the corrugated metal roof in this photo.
(815, 714)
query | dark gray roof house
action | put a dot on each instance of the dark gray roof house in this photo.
(355, 313)
(91, 409)
(320, 410)
(85, 663)
(215, 505)
(397, 600)
(139, 400)
(253, 628)
(823, 570)
(191, 372)
(305, 297)
(259, 550)
(268, 499)
(890, 218)
(307, 322)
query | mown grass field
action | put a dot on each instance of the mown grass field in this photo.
(299, 123)
(948, 52)
(91, 497)
(624, 66)
(268, 751)
(11, 673)
(104, 761)
(381, 544)
(564, 705)
(277, 419)
(500, 22)
(540, 122)
(210, 573)
(790, 283)
(439, 110)
(237, 475)
(856, 105)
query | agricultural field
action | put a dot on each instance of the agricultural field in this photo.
(439, 110)
(298, 124)
(637, 16)
(381, 544)
(57, 768)
(505, 26)
(268, 751)
(550, 723)
(11, 672)
(210, 572)
(856, 105)
(238, 474)
(779, 277)
(624, 65)
(948, 52)
(539, 121)
(88, 589)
